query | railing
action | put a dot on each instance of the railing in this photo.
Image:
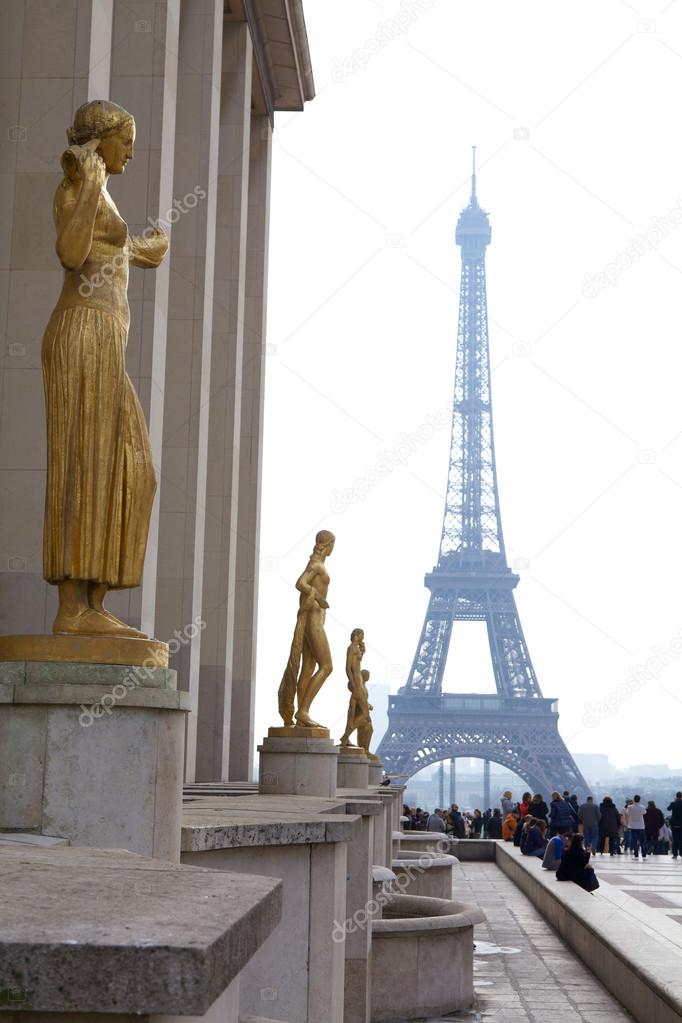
(470, 702)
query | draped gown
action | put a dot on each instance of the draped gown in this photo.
(100, 474)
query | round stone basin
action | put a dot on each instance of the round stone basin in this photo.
(422, 841)
(422, 958)
(424, 873)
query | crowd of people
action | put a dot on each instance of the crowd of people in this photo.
(565, 833)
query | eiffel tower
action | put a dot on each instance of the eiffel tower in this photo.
(472, 581)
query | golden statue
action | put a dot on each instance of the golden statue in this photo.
(100, 474)
(309, 645)
(359, 706)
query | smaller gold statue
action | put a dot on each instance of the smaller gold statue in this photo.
(310, 647)
(359, 706)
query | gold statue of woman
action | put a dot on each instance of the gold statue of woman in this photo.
(309, 647)
(100, 474)
(359, 707)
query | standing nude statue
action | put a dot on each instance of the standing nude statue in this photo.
(359, 705)
(310, 644)
(100, 473)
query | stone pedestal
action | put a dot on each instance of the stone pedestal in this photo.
(295, 764)
(376, 771)
(93, 753)
(353, 768)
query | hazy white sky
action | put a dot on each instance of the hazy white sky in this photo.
(574, 109)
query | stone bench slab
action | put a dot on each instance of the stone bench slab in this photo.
(104, 930)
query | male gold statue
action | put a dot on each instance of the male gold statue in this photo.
(100, 475)
(310, 640)
(359, 705)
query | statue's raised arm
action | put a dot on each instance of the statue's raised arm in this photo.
(100, 473)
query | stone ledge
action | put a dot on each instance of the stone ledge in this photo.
(235, 826)
(80, 693)
(103, 930)
(642, 972)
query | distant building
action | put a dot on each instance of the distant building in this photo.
(595, 766)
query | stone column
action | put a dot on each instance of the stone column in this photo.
(182, 498)
(250, 454)
(45, 63)
(221, 517)
(144, 68)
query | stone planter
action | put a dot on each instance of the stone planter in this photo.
(422, 958)
(423, 841)
(423, 873)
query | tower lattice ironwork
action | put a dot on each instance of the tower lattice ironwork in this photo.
(472, 581)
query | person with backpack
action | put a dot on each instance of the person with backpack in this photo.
(561, 816)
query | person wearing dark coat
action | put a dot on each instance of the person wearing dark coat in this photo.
(675, 809)
(653, 822)
(574, 866)
(534, 843)
(609, 822)
(538, 808)
(495, 825)
(561, 815)
(518, 833)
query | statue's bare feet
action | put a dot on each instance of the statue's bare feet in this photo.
(89, 622)
(306, 721)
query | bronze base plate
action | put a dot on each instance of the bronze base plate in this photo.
(298, 732)
(85, 649)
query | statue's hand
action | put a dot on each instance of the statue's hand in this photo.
(92, 169)
(323, 603)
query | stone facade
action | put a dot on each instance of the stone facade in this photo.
(203, 79)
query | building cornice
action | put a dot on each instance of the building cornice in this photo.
(281, 53)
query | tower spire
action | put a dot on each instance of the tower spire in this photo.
(474, 199)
